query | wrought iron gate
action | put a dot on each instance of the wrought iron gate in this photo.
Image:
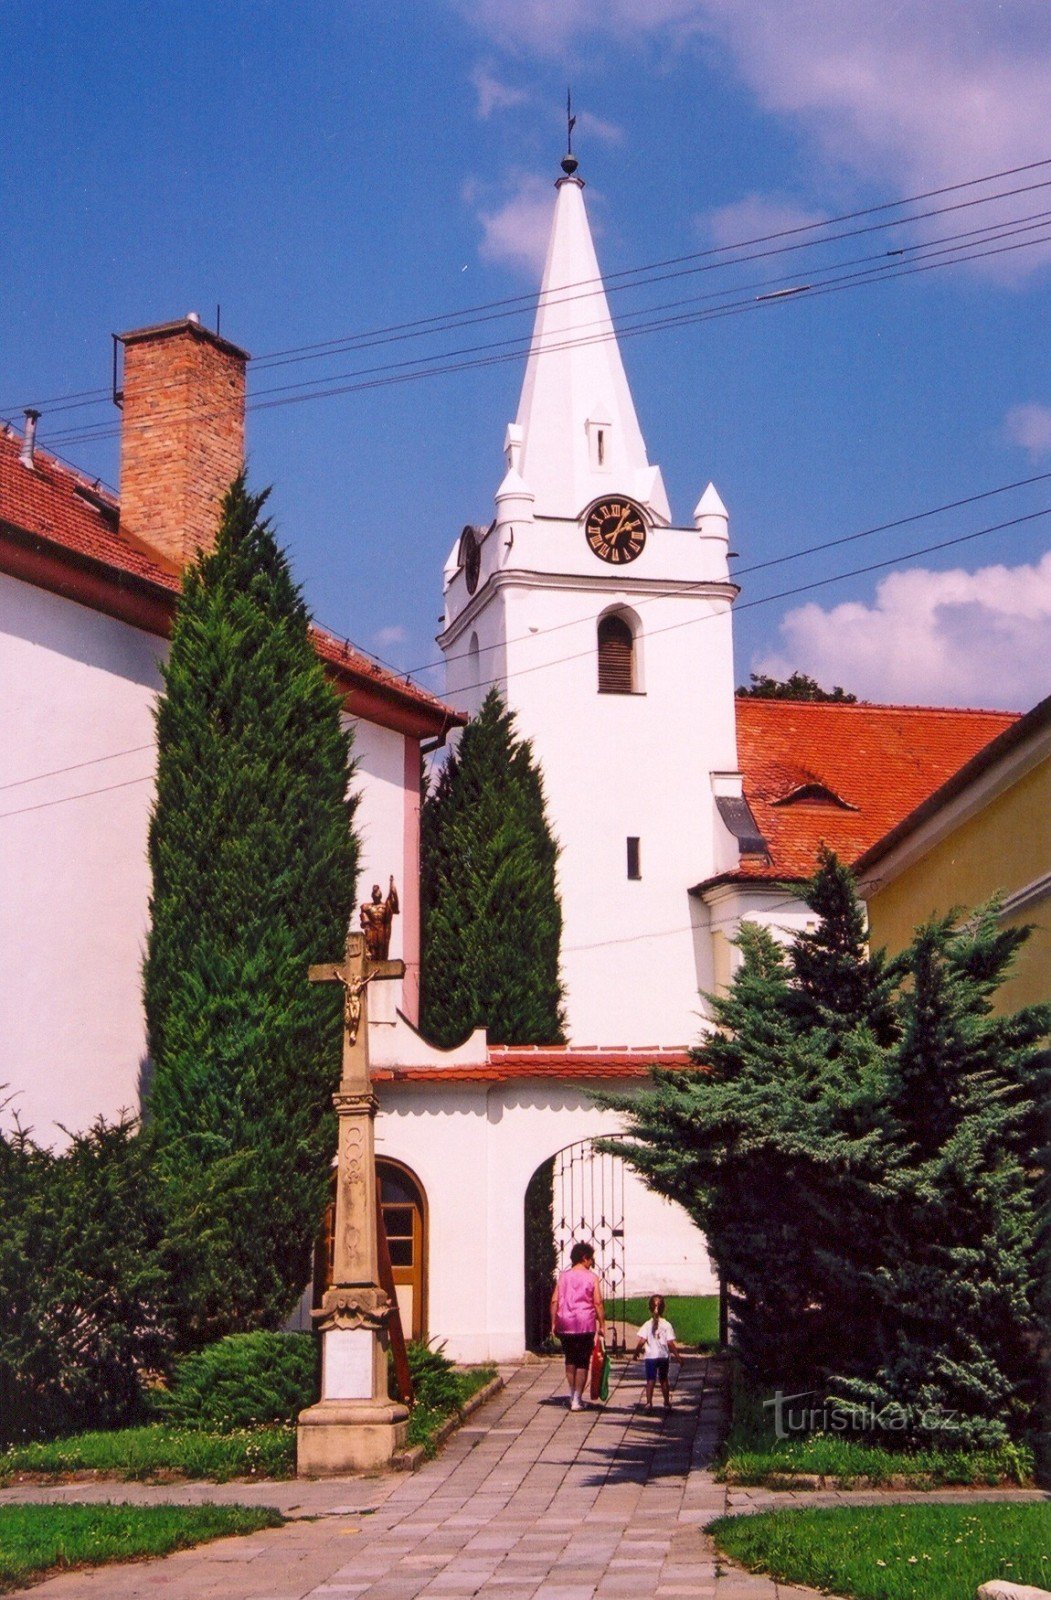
(581, 1191)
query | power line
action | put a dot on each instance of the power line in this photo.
(56, 772)
(86, 794)
(783, 560)
(765, 600)
(389, 373)
(557, 297)
(615, 281)
(519, 672)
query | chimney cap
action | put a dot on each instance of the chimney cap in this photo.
(188, 324)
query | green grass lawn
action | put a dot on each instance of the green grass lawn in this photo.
(157, 1449)
(695, 1318)
(35, 1540)
(753, 1455)
(911, 1552)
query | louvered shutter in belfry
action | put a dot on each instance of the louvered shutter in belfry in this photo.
(615, 651)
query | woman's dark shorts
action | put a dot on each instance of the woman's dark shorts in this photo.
(578, 1348)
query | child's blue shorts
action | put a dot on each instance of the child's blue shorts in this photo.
(656, 1369)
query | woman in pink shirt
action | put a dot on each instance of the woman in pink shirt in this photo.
(578, 1315)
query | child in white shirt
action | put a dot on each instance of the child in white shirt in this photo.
(657, 1339)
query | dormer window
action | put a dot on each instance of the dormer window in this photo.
(814, 794)
(600, 446)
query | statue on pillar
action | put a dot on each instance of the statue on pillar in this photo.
(377, 916)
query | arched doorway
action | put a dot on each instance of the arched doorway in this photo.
(404, 1208)
(577, 1194)
(405, 1220)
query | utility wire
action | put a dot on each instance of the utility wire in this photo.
(763, 600)
(86, 794)
(782, 560)
(558, 297)
(76, 766)
(614, 281)
(390, 373)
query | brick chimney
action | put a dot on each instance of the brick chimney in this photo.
(182, 435)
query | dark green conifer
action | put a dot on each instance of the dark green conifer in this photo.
(491, 916)
(861, 1151)
(956, 1284)
(254, 863)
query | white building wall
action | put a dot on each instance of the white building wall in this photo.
(387, 821)
(77, 761)
(78, 694)
(474, 1148)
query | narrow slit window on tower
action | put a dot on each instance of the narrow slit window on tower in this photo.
(616, 656)
(602, 447)
(634, 858)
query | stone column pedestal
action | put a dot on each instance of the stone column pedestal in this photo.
(340, 1436)
(353, 1427)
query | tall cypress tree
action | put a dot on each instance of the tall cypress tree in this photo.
(491, 916)
(254, 863)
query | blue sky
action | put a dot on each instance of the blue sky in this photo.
(326, 170)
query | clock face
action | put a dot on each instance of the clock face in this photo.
(616, 530)
(471, 556)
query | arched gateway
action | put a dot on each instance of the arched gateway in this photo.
(578, 1194)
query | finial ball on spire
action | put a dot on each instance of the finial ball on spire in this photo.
(569, 164)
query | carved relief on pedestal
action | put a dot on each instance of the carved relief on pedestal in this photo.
(354, 1306)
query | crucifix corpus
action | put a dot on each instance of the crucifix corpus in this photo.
(354, 1425)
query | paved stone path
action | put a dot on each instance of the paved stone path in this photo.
(526, 1502)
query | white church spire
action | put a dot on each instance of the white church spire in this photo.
(580, 437)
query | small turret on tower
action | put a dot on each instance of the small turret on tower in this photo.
(712, 521)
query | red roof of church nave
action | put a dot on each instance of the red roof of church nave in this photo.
(60, 530)
(508, 1062)
(836, 773)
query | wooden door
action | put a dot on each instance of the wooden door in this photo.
(404, 1220)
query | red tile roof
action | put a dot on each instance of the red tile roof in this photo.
(56, 524)
(509, 1062)
(879, 761)
(45, 501)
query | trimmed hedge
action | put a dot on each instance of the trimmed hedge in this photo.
(242, 1381)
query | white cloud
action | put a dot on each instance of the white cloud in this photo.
(1030, 427)
(493, 94)
(913, 96)
(598, 128)
(756, 217)
(516, 232)
(392, 635)
(930, 638)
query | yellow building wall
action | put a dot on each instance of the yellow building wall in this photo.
(1001, 848)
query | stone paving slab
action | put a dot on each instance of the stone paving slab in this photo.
(531, 1502)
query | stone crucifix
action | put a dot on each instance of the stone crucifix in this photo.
(355, 1425)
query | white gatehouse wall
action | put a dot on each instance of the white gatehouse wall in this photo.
(474, 1146)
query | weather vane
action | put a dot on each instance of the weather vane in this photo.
(569, 160)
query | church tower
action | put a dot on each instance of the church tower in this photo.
(606, 626)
